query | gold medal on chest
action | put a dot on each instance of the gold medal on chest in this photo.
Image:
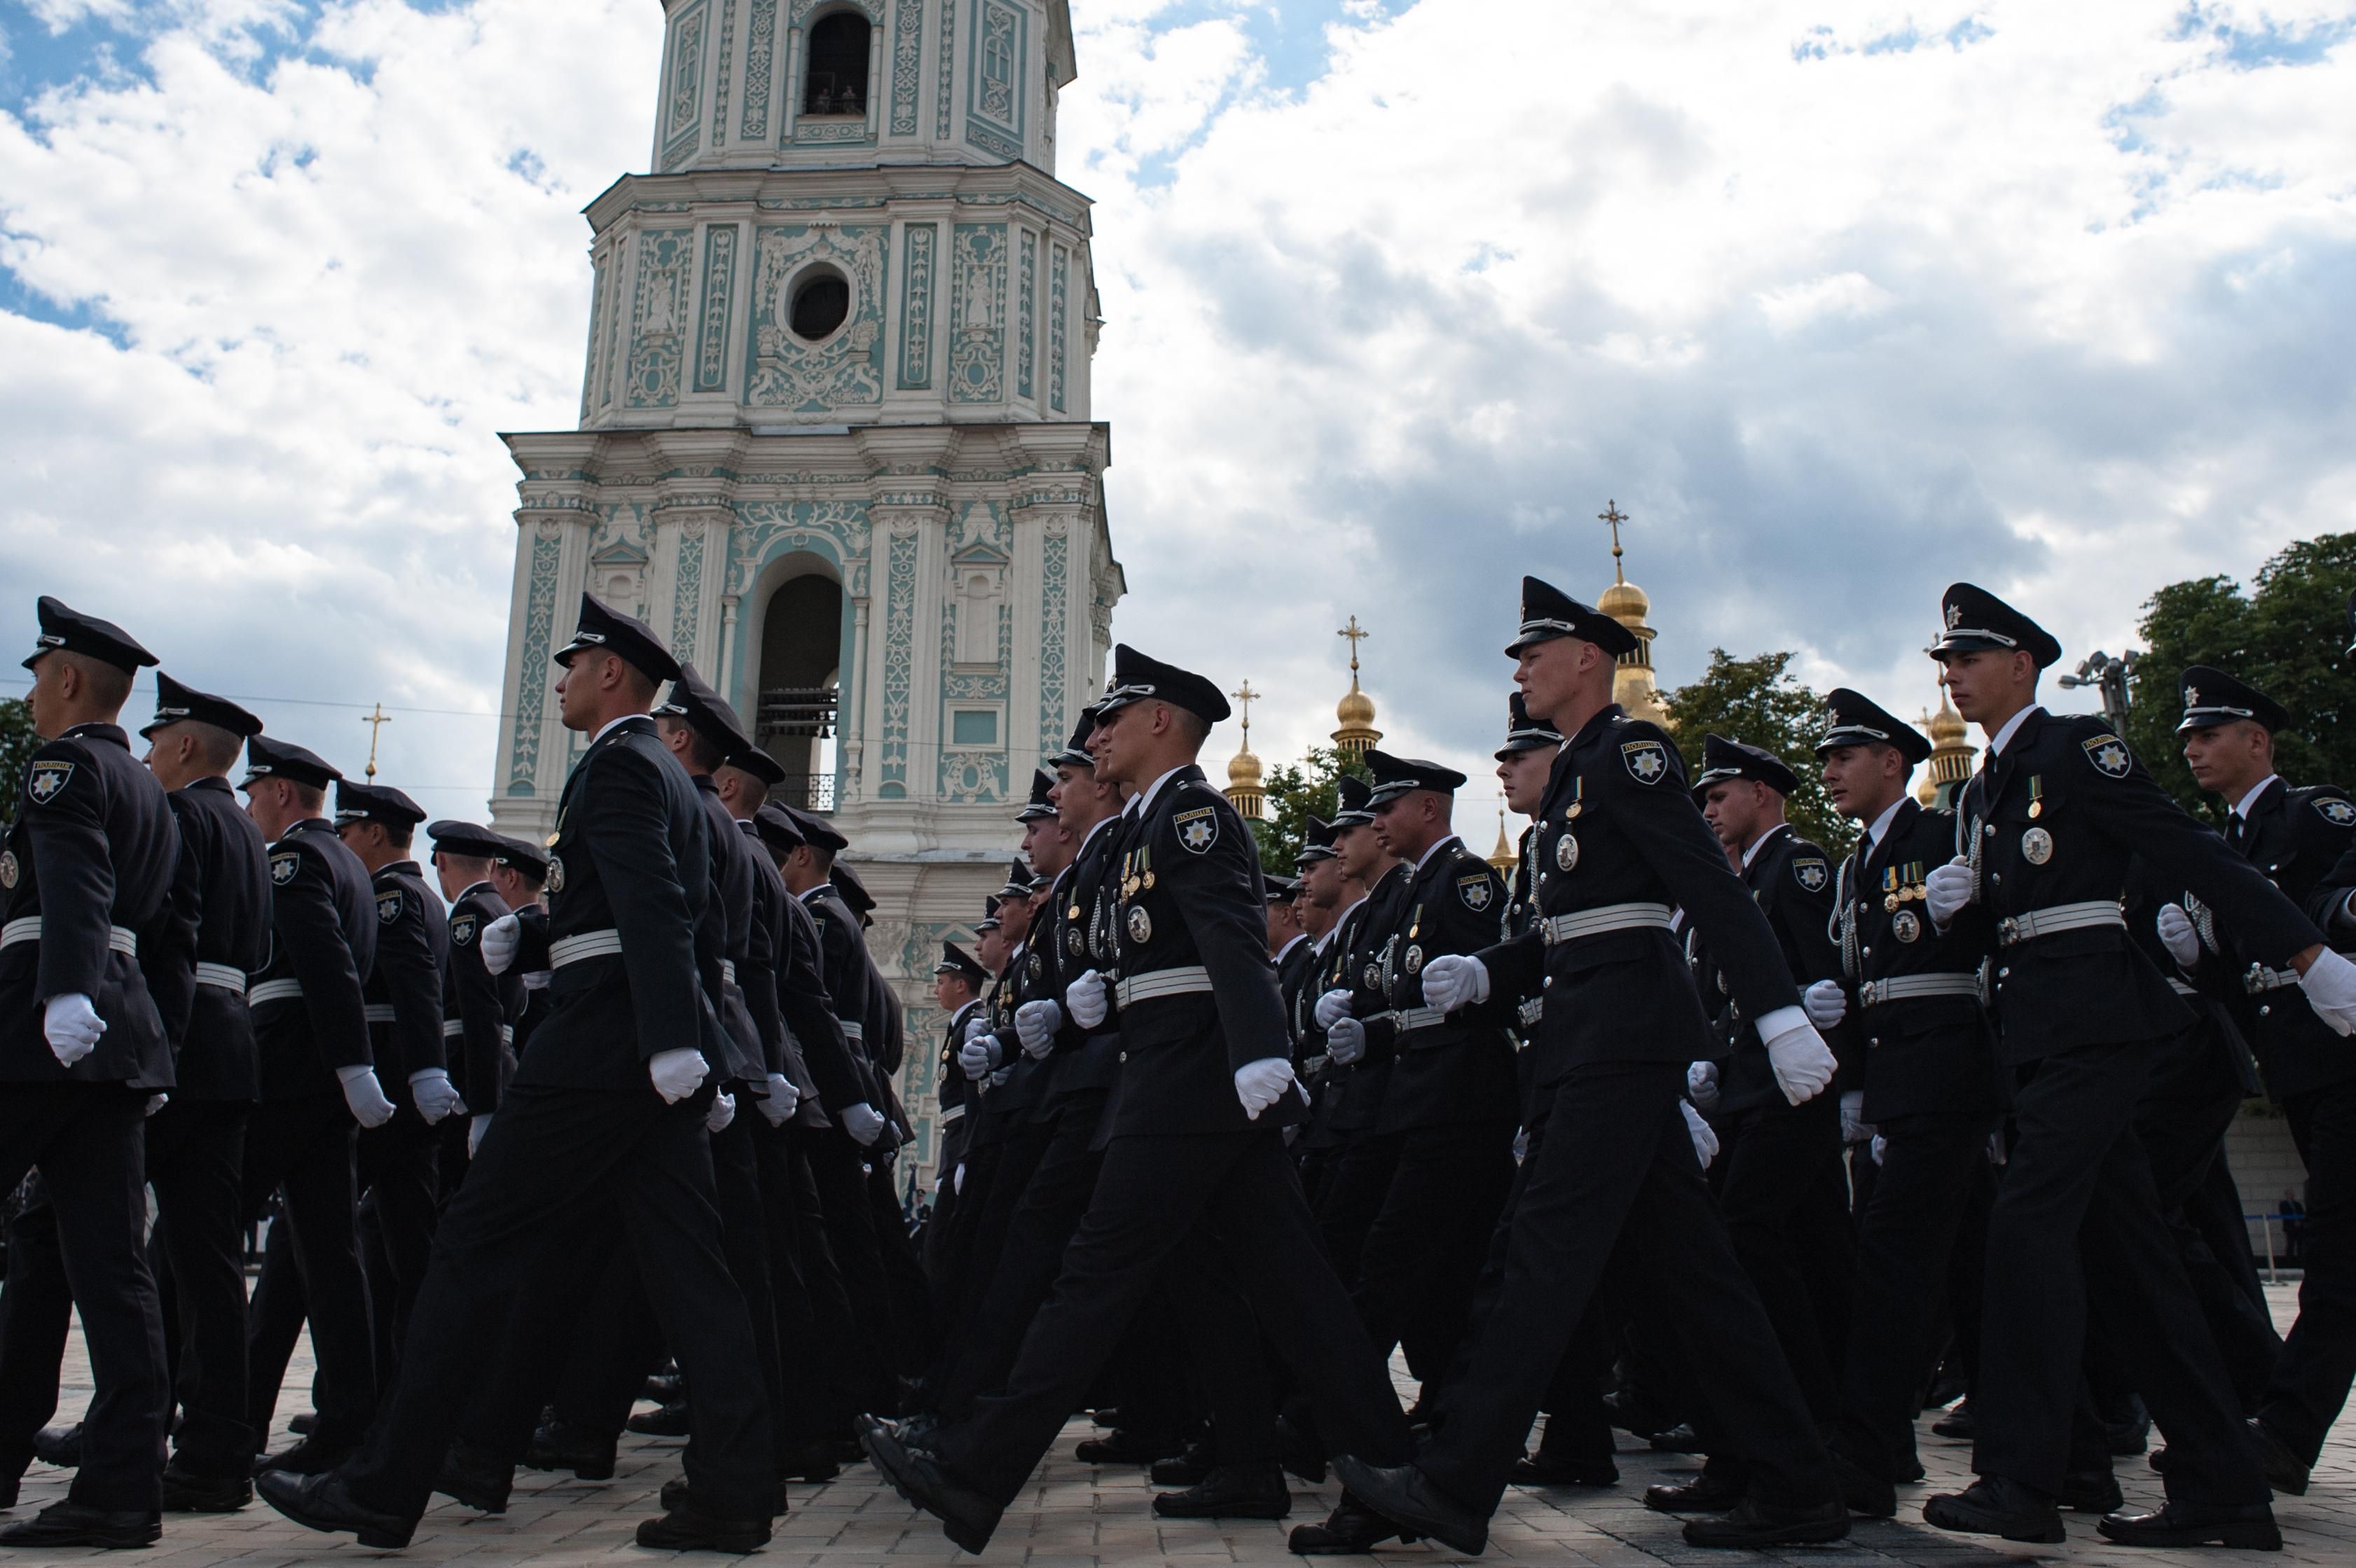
(551, 841)
(1566, 852)
(1148, 882)
(1141, 923)
(2037, 846)
(1907, 926)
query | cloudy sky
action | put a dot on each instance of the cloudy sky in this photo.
(1839, 301)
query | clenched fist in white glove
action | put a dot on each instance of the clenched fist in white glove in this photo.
(2331, 986)
(977, 1024)
(1455, 980)
(434, 1095)
(783, 1101)
(1705, 1142)
(1035, 1024)
(678, 1073)
(1855, 1128)
(365, 1096)
(1803, 1064)
(72, 1027)
(156, 1102)
(1262, 1083)
(722, 1112)
(978, 1058)
(1826, 1003)
(501, 940)
(1701, 1085)
(1345, 1042)
(2179, 935)
(1947, 889)
(1085, 1001)
(861, 1122)
(1334, 1004)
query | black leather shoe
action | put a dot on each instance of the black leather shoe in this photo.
(813, 1462)
(561, 1446)
(59, 1445)
(76, 1524)
(1997, 1505)
(474, 1478)
(305, 1425)
(322, 1503)
(1756, 1522)
(967, 1517)
(1545, 1469)
(1715, 1490)
(2286, 1471)
(663, 1387)
(1230, 1491)
(1125, 1447)
(1351, 1529)
(308, 1457)
(2090, 1491)
(676, 1493)
(2251, 1526)
(670, 1420)
(1403, 1495)
(1190, 1468)
(1298, 1453)
(186, 1492)
(688, 1529)
(1958, 1423)
(1862, 1491)
(1678, 1439)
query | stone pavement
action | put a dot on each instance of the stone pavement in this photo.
(1074, 1516)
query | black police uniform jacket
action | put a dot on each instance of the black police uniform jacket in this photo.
(756, 977)
(728, 920)
(322, 930)
(828, 1072)
(532, 968)
(2054, 819)
(1019, 1089)
(1618, 826)
(633, 856)
(1003, 1097)
(479, 1009)
(2211, 1061)
(217, 934)
(954, 1091)
(2303, 841)
(1192, 895)
(1320, 1077)
(1923, 1055)
(1080, 924)
(1791, 880)
(91, 853)
(1448, 1070)
(1295, 966)
(403, 989)
(844, 967)
(1359, 1089)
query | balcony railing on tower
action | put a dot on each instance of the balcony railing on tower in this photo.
(806, 715)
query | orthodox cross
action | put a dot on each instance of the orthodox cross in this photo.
(1243, 694)
(376, 722)
(1612, 517)
(1356, 635)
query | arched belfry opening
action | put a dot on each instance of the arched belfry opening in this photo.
(835, 82)
(800, 680)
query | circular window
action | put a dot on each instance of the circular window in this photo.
(821, 300)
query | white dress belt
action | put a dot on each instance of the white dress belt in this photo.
(227, 976)
(1900, 987)
(951, 1112)
(1410, 1019)
(728, 971)
(1188, 981)
(855, 1033)
(451, 1028)
(1313, 1064)
(381, 1013)
(588, 944)
(2030, 923)
(2182, 988)
(2261, 980)
(1528, 1014)
(275, 991)
(1594, 922)
(28, 929)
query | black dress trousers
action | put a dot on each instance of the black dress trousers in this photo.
(2318, 1361)
(303, 1148)
(1785, 1198)
(196, 1151)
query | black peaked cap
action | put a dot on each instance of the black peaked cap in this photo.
(1547, 612)
(470, 839)
(705, 712)
(1354, 793)
(1722, 759)
(776, 829)
(1973, 620)
(1136, 677)
(1852, 718)
(2213, 697)
(67, 629)
(268, 759)
(361, 802)
(175, 703)
(955, 960)
(1524, 733)
(1399, 776)
(1036, 808)
(603, 626)
(816, 830)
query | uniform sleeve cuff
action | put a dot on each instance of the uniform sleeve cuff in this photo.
(1780, 1022)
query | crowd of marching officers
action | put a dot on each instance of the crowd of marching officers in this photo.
(1686, 1126)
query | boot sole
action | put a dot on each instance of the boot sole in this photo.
(372, 1536)
(962, 1535)
(2252, 1537)
(2042, 1535)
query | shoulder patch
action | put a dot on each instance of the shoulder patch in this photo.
(462, 928)
(1647, 760)
(284, 866)
(1476, 892)
(388, 907)
(47, 781)
(1811, 873)
(2338, 812)
(1198, 830)
(2109, 755)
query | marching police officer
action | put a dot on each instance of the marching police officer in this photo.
(479, 1009)
(85, 876)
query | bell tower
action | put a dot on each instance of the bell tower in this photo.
(834, 435)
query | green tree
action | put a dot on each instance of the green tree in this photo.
(1758, 702)
(1295, 792)
(2287, 638)
(18, 744)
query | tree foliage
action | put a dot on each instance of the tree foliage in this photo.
(1295, 792)
(1757, 701)
(2289, 638)
(18, 744)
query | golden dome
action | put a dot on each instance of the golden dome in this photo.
(1947, 726)
(1624, 602)
(1356, 734)
(1243, 771)
(1355, 708)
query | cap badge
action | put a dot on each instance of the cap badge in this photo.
(2191, 696)
(1955, 616)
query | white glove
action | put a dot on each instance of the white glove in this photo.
(1803, 1064)
(979, 1056)
(1521, 1144)
(499, 940)
(722, 1112)
(1879, 1146)
(156, 1102)
(1085, 1001)
(1947, 889)
(2331, 986)
(958, 1186)
(1455, 980)
(2179, 935)
(1705, 1142)
(977, 1024)
(365, 1095)
(72, 1026)
(1826, 1002)
(1334, 1004)
(678, 1073)
(1701, 1085)
(861, 1122)
(434, 1095)
(1035, 1024)
(783, 1101)
(1855, 1129)
(475, 1131)
(1345, 1042)
(1262, 1083)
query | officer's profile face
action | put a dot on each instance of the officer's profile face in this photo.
(950, 991)
(990, 947)
(1551, 673)
(1524, 774)
(1359, 851)
(1988, 682)
(1733, 807)
(1858, 779)
(47, 697)
(2229, 757)
(1320, 884)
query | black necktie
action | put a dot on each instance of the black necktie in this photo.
(2233, 827)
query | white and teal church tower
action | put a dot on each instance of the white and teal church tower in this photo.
(835, 439)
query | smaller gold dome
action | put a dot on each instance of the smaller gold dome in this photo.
(1243, 771)
(1945, 726)
(1356, 707)
(1624, 601)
